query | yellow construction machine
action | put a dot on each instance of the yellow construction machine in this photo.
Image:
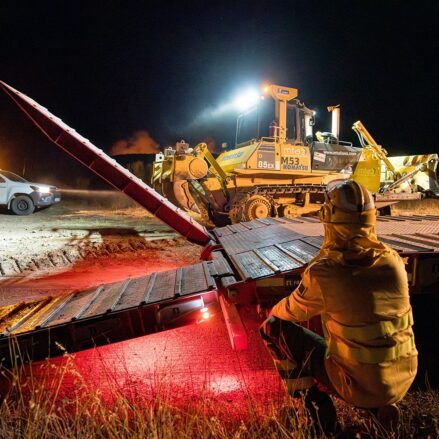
(278, 167)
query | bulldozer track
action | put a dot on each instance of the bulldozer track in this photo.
(270, 192)
(287, 189)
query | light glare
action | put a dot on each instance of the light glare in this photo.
(247, 99)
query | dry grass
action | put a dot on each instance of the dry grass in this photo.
(39, 408)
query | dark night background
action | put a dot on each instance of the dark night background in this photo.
(110, 68)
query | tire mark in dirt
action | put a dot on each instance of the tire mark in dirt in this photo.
(69, 261)
(18, 265)
(50, 257)
(72, 253)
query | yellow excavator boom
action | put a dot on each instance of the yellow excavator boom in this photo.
(362, 133)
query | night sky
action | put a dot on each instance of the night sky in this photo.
(111, 68)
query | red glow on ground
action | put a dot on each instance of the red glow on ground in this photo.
(185, 364)
(87, 274)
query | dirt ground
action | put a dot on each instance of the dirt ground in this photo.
(85, 240)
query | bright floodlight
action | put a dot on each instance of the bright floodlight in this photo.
(247, 99)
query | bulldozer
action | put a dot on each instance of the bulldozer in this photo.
(280, 168)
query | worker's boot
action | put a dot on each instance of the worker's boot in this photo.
(322, 411)
(388, 417)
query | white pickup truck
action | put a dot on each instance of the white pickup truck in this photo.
(22, 197)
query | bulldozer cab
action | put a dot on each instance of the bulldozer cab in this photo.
(254, 123)
(265, 121)
(277, 134)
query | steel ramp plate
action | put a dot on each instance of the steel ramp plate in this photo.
(257, 238)
(426, 243)
(300, 250)
(251, 266)
(315, 241)
(220, 267)
(106, 314)
(278, 258)
(404, 245)
(106, 297)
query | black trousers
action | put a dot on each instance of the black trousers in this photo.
(298, 354)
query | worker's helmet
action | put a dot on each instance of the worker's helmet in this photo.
(348, 202)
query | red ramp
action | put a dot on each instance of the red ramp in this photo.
(108, 169)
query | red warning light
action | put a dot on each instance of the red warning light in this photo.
(205, 315)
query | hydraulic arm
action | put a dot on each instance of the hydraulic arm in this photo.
(202, 151)
(366, 140)
(425, 163)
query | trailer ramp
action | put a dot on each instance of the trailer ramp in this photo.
(106, 314)
(106, 168)
(240, 256)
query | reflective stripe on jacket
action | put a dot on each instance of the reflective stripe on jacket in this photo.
(356, 341)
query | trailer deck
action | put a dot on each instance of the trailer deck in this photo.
(240, 264)
(276, 245)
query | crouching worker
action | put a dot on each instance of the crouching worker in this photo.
(359, 287)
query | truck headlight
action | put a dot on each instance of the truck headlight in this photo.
(43, 190)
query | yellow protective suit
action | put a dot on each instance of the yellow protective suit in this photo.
(359, 286)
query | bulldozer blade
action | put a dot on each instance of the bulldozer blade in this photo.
(178, 193)
(433, 183)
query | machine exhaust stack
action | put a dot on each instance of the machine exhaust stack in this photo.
(335, 129)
